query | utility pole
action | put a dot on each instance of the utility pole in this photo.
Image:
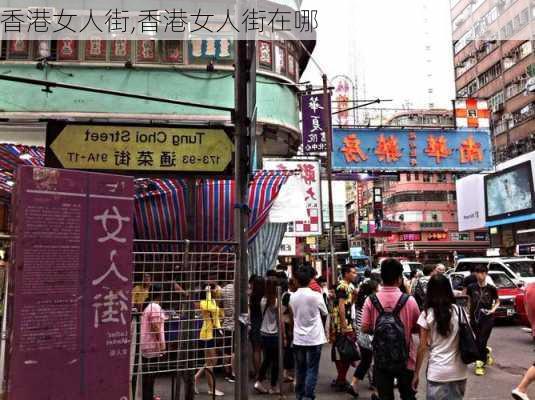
(245, 102)
(328, 133)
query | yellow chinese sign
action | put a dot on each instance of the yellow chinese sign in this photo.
(138, 148)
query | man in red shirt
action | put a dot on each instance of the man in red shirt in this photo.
(388, 296)
(314, 285)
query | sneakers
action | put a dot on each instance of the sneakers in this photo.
(218, 393)
(518, 395)
(351, 390)
(490, 359)
(259, 388)
(480, 368)
(230, 378)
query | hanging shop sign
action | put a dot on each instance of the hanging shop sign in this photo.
(400, 149)
(141, 148)
(70, 290)
(310, 173)
(343, 96)
(314, 124)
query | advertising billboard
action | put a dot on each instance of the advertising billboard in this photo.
(366, 149)
(509, 193)
(471, 202)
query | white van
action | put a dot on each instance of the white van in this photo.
(520, 269)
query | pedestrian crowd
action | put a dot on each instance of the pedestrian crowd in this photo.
(384, 327)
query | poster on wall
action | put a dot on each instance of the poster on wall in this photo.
(70, 293)
(310, 172)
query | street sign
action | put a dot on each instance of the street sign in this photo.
(141, 148)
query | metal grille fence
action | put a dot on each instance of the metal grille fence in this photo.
(183, 305)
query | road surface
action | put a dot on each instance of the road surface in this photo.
(513, 350)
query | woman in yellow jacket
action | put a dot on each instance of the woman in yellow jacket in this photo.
(210, 312)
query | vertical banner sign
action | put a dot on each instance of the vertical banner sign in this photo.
(310, 172)
(70, 290)
(343, 96)
(314, 126)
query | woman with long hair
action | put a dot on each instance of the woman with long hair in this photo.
(269, 331)
(257, 288)
(364, 340)
(439, 339)
(207, 337)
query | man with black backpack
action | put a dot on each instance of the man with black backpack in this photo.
(392, 317)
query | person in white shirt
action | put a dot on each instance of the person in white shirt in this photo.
(307, 308)
(439, 339)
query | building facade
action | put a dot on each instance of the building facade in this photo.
(198, 70)
(419, 209)
(494, 60)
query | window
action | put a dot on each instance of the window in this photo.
(496, 100)
(497, 267)
(410, 216)
(442, 178)
(427, 177)
(408, 177)
(416, 176)
(490, 74)
(468, 266)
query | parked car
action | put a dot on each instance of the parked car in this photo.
(410, 266)
(507, 291)
(520, 269)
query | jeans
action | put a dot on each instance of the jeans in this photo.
(366, 358)
(307, 362)
(482, 330)
(384, 382)
(149, 367)
(271, 359)
(446, 390)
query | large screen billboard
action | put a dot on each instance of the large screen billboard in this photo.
(509, 193)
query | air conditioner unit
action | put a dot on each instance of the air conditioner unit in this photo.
(507, 116)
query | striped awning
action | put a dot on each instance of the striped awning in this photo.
(13, 155)
(161, 204)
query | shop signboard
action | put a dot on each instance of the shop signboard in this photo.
(288, 247)
(138, 148)
(314, 125)
(310, 173)
(390, 149)
(70, 293)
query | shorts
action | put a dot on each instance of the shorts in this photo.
(206, 344)
(446, 390)
(256, 338)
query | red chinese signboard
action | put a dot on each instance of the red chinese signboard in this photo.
(70, 293)
(410, 237)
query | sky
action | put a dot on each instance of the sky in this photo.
(397, 50)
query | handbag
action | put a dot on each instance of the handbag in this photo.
(467, 341)
(347, 349)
